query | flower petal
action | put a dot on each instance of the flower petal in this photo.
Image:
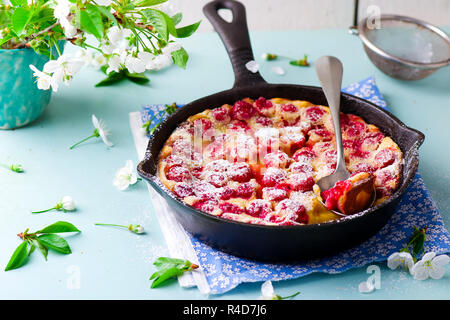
(419, 271)
(95, 122)
(393, 260)
(267, 290)
(436, 272)
(428, 256)
(440, 261)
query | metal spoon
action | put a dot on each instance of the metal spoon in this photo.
(329, 71)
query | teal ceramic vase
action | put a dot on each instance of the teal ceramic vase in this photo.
(21, 102)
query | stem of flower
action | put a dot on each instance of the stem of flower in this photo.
(291, 296)
(110, 224)
(95, 134)
(54, 208)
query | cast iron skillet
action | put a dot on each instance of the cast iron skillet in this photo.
(276, 243)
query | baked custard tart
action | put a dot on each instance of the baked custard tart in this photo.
(257, 161)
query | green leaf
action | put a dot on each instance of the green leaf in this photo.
(148, 3)
(162, 23)
(169, 268)
(107, 13)
(19, 3)
(177, 18)
(36, 243)
(163, 275)
(186, 31)
(19, 257)
(91, 21)
(180, 58)
(20, 19)
(164, 262)
(138, 78)
(55, 242)
(59, 227)
(112, 78)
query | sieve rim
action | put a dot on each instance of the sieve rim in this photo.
(362, 33)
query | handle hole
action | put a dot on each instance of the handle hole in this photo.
(226, 14)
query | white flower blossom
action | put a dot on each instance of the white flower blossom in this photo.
(125, 176)
(430, 266)
(98, 61)
(66, 204)
(70, 30)
(62, 9)
(171, 47)
(85, 56)
(267, 291)
(403, 259)
(102, 130)
(44, 80)
(114, 64)
(136, 228)
(63, 69)
(134, 65)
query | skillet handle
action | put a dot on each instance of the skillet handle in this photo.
(236, 39)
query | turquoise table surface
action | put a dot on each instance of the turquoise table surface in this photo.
(115, 264)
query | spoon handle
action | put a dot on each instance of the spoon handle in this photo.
(329, 71)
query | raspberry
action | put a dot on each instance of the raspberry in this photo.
(259, 208)
(221, 114)
(204, 191)
(197, 172)
(217, 179)
(274, 194)
(174, 161)
(226, 193)
(294, 141)
(262, 103)
(384, 158)
(284, 186)
(272, 176)
(301, 182)
(304, 155)
(238, 125)
(314, 113)
(289, 108)
(179, 174)
(355, 129)
(373, 139)
(245, 190)
(202, 125)
(363, 167)
(242, 110)
(276, 159)
(266, 122)
(205, 205)
(240, 172)
(300, 167)
(182, 148)
(292, 210)
(320, 135)
(215, 150)
(232, 208)
(218, 166)
(182, 190)
(332, 195)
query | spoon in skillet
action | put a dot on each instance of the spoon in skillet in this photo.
(344, 195)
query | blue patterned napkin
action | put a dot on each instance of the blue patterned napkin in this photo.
(224, 272)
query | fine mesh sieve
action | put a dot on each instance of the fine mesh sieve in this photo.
(403, 47)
